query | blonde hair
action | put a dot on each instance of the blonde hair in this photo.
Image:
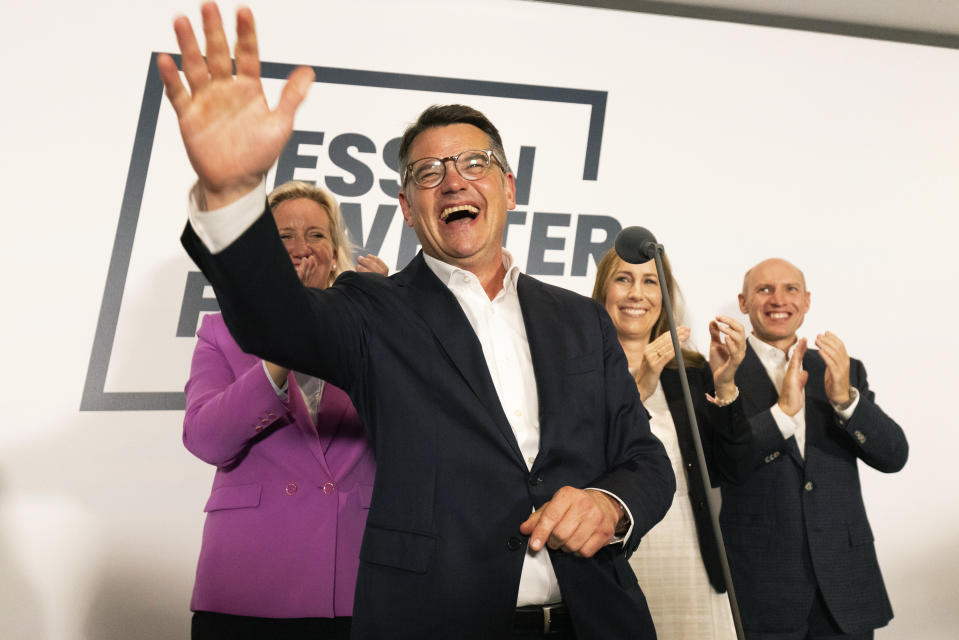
(339, 236)
(605, 270)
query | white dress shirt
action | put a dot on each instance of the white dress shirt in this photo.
(775, 362)
(498, 323)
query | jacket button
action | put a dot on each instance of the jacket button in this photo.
(808, 486)
(329, 488)
(513, 543)
(535, 480)
(291, 488)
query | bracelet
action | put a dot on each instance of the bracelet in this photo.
(721, 402)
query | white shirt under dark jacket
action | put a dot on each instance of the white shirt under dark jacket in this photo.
(498, 324)
(775, 361)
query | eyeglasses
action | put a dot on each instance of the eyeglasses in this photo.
(472, 164)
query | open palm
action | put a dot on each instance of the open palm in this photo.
(231, 135)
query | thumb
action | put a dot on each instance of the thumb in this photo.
(294, 92)
(530, 523)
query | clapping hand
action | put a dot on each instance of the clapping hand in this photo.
(727, 348)
(371, 264)
(792, 394)
(656, 356)
(833, 352)
(308, 270)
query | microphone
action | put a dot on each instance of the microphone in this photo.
(636, 245)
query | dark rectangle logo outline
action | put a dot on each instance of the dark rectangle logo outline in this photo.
(95, 398)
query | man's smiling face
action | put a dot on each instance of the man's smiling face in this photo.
(459, 221)
(775, 297)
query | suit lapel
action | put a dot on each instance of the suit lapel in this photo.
(673, 390)
(438, 307)
(333, 405)
(547, 347)
(752, 375)
(316, 442)
(817, 403)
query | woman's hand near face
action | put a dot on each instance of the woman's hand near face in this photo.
(371, 264)
(656, 356)
(726, 353)
(310, 275)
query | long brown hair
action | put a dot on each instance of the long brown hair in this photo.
(605, 270)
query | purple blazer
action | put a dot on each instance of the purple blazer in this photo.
(288, 507)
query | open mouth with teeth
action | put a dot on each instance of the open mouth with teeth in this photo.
(633, 311)
(460, 211)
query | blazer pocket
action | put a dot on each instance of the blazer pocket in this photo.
(859, 534)
(234, 497)
(398, 549)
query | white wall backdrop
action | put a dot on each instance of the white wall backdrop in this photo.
(732, 143)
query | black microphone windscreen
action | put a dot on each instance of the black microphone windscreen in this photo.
(635, 245)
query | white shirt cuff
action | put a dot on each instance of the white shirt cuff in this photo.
(623, 538)
(219, 228)
(846, 413)
(787, 424)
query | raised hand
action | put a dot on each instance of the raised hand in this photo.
(578, 521)
(833, 352)
(371, 264)
(656, 356)
(792, 395)
(726, 353)
(231, 135)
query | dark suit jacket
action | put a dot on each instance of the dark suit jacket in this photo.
(442, 553)
(797, 524)
(727, 425)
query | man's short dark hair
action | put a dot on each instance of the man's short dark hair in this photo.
(441, 115)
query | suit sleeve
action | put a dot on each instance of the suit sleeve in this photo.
(726, 436)
(765, 444)
(225, 412)
(639, 471)
(272, 315)
(878, 440)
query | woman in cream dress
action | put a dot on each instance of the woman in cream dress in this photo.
(677, 563)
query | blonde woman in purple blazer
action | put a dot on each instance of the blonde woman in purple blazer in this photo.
(294, 471)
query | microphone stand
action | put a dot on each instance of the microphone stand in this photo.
(697, 442)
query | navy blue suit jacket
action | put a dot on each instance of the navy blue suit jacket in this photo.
(795, 524)
(442, 552)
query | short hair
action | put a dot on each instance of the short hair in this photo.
(442, 115)
(605, 270)
(339, 235)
